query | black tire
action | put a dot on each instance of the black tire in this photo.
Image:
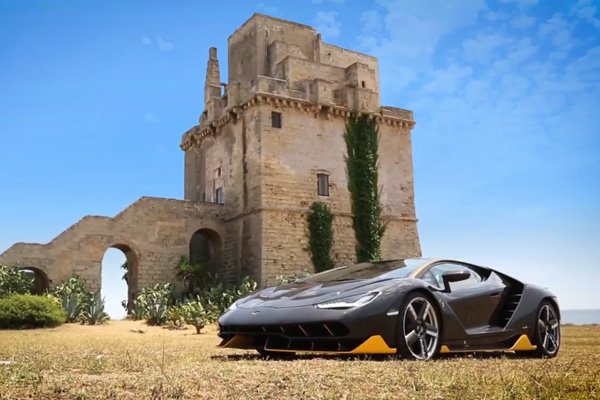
(546, 335)
(419, 328)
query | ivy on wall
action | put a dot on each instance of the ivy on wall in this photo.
(362, 142)
(320, 237)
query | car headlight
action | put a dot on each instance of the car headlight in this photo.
(348, 302)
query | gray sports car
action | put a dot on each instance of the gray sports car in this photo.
(415, 308)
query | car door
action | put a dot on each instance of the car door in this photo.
(474, 300)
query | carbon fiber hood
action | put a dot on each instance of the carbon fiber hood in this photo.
(301, 294)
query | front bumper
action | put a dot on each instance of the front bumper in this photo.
(366, 330)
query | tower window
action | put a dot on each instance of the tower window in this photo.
(276, 119)
(323, 184)
(219, 196)
(363, 84)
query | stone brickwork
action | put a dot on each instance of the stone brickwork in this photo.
(262, 174)
(270, 171)
(152, 232)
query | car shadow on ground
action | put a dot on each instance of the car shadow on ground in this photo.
(342, 357)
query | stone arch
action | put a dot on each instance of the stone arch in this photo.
(41, 282)
(206, 245)
(132, 256)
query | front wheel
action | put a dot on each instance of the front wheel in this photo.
(418, 328)
(547, 331)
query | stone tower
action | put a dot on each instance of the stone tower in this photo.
(271, 143)
(268, 144)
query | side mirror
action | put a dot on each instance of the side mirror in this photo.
(454, 276)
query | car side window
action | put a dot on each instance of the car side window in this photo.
(429, 279)
(438, 270)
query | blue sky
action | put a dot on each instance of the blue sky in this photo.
(94, 97)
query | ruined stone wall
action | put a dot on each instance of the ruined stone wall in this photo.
(152, 232)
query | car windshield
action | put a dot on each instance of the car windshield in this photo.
(381, 270)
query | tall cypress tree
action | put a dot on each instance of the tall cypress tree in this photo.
(362, 142)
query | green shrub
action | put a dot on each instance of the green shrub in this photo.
(13, 281)
(195, 275)
(217, 298)
(176, 316)
(195, 314)
(153, 303)
(320, 236)
(29, 311)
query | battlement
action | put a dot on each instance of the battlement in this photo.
(271, 56)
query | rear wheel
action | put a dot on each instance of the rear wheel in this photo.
(418, 328)
(547, 331)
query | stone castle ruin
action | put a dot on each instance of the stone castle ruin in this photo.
(269, 143)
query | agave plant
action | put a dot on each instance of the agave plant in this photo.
(73, 297)
(72, 306)
(93, 311)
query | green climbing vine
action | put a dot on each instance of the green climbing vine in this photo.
(362, 142)
(320, 236)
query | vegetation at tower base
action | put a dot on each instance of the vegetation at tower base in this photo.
(162, 305)
(362, 141)
(195, 274)
(92, 312)
(125, 276)
(78, 303)
(13, 281)
(320, 236)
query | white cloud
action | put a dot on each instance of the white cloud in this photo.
(586, 10)
(515, 55)
(266, 9)
(522, 3)
(327, 24)
(371, 21)
(522, 21)
(584, 72)
(496, 16)
(411, 32)
(150, 118)
(448, 80)
(163, 44)
(482, 47)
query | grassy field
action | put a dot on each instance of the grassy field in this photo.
(104, 362)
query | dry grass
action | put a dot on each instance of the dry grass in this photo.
(103, 362)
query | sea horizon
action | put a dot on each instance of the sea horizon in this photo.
(580, 316)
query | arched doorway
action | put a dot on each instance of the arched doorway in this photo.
(206, 246)
(119, 279)
(41, 283)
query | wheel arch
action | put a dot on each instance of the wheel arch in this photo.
(554, 303)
